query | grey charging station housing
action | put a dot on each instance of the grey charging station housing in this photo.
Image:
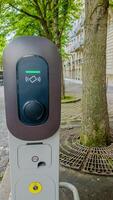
(32, 64)
(32, 83)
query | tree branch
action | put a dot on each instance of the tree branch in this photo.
(56, 11)
(38, 7)
(25, 12)
(64, 18)
(43, 20)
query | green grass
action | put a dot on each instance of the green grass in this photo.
(69, 99)
(1, 72)
(1, 176)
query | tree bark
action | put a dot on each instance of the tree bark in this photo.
(58, 43)
(62, 84)
(95, 120)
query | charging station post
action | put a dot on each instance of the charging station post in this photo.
(32, 82)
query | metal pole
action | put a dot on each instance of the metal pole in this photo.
(72, 188)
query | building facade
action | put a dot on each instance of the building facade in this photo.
(74, 63)
(109, 53)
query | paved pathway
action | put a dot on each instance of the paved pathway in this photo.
(72, 112)
(89, 187)
(3, 135)
(3, 128)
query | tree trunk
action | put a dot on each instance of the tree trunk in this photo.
(95, 121)
(62, 84)
(58, 43)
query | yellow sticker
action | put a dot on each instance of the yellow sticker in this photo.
(35, 187)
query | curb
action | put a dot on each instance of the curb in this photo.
(73, 81)
(70, 101)
(5, 185)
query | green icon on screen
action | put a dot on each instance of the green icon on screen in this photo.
(32, 71)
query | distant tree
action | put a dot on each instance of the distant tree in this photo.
(95, 121)
(50, 18)
(2, 45)
(111, 3)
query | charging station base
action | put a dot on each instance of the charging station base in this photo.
(35, 169)
(10, 196)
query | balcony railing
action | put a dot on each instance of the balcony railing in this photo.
(76, 45)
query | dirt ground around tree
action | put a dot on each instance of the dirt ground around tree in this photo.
(90, 187)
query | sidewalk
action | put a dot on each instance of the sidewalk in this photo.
(90, 187)
(5, 186)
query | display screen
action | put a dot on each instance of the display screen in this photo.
(32, 71)
(33, 86)
(33, 76)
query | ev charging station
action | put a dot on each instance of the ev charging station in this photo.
(32, 81)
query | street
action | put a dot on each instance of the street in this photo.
(3, 128)
(71, 83)
(4, 151)
(76, 89)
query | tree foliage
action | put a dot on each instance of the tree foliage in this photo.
(111, 3)
(49, 18)
(2, 45)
